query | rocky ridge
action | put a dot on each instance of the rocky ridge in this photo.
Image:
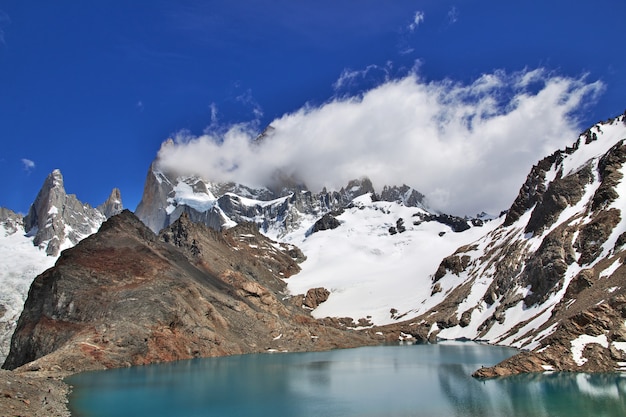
(551, 279)
(277, 211)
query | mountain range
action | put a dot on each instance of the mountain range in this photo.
(206, 268)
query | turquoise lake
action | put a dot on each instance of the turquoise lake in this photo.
(409, 380)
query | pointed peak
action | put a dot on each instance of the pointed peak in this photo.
(54, 179)
(113, 205)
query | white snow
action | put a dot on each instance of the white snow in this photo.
(20, 263)
(579, 344)
(184, 194)
(368, 271)
(608, 135)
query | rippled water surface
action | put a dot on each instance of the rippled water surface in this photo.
(416, 380)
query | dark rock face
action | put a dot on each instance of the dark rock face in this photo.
(561, 193)
(457, 224)
(125, 296)
(327, 222)
(403, 194)
(455, 264)
(532, 190)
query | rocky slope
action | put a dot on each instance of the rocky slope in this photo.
(190, 292)
(551, 279)
(31, 244)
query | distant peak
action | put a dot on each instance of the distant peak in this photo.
(54, 179)
(113, 205)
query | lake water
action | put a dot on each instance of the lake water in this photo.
(415, 380)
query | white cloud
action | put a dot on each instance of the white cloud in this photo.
(453, 15)
(4, 20)
(249, 101)
(351, 78)
(417, 20)
(468, 147)
(28, 164)
(140, 106)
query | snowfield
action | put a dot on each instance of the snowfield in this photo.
(369, 271)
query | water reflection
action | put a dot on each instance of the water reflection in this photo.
(426, 380)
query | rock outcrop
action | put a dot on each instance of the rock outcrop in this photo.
(125, 296)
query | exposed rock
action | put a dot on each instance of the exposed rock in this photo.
(113, 205)
(457, 224)
(221, 295)
(55, 216)
(454, 263)
(327, 222)
(315, 296)
(533, 189)
(561, 193)
(32, 394)
(593, 235)
(11, 221)
(403, 194)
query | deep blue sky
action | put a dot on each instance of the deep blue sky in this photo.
(94, 87)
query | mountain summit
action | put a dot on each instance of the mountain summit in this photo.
(57, 220)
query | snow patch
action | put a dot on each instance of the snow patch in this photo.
(579, 344)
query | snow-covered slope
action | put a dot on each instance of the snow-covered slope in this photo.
(21, 262)
(371, 273)
(518, 274)
(376, 259)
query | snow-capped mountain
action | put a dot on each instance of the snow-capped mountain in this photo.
(31, 244)
(546, 276)
(551, 278)
(532, 279)
(374, 252)
(278, 212)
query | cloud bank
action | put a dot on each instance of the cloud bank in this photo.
(467, 147)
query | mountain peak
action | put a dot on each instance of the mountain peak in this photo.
(113, 205)
(57, 220)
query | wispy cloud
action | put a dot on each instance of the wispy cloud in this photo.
(4, 20)
(28, 164)
(247, 99)
(453, 15)
(468, 147)
(140, 106)
(417, 20)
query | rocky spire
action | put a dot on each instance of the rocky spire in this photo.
(56, 217)
(113, 205)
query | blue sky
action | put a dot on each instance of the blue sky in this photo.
(93, 88)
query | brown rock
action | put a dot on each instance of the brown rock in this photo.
(315, 296)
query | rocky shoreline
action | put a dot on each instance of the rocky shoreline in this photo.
(33, 394)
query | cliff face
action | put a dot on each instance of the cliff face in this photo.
(125, 296)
